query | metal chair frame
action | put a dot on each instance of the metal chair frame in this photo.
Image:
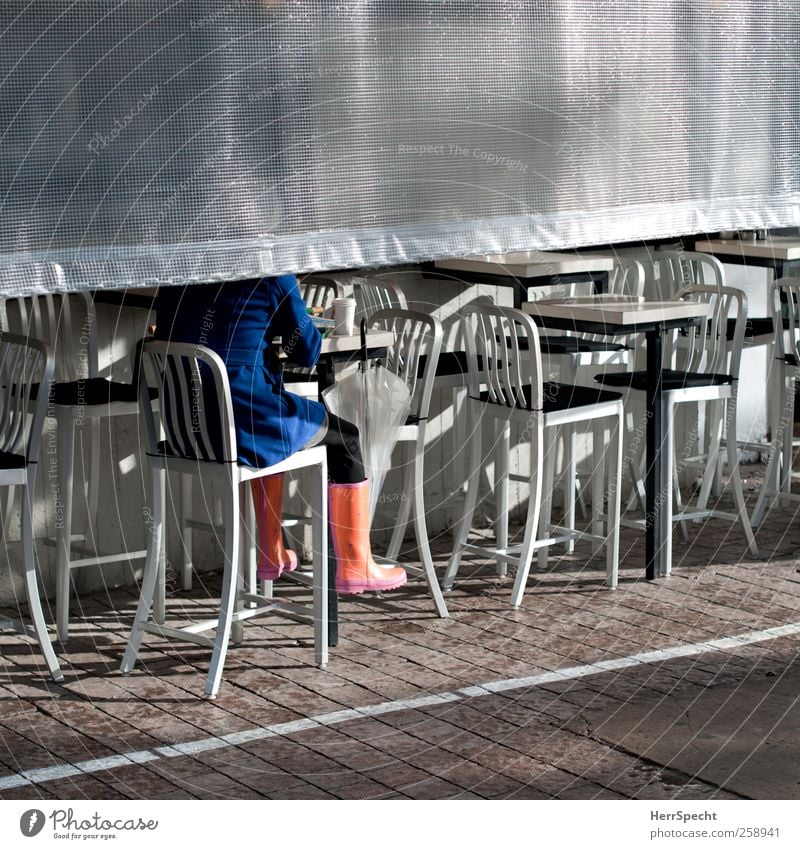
(413, 357)
(26, 373)
(190, 382)
(68, 324)
(505, 374)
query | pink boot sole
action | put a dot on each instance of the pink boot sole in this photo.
(361, 586)
(270, 572)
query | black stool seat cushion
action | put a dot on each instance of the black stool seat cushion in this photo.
(290, 376)
(670, 379)
(753, 327)
(93, 391)
(576, 345)
(11, 461)
(450, 363)
(564, 396)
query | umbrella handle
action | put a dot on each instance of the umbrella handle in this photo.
(363, 329)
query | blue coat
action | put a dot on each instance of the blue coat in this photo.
(237, 320)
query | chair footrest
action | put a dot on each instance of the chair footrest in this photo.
(267, 605)
(94, 559)
(511, 554)
(194, 633)
(566, 535)
(189, 634)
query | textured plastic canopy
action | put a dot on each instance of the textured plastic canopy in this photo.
(150, 142)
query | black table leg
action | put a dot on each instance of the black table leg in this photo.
(654, 484)
(333, 600)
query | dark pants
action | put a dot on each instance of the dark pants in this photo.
(344, 452)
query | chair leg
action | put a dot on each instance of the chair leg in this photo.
(31, 584)
(614, 454)
(421, 531)
(677, 498)
(501, 453)
(465, 525)
(186, 532)
(93, 478)
(245, 530)
(152, 570)
(545, 520)
(634, 463)
(532, 519)
(710, 473)
(788, 438)
(404, 511)
(598, 481)
(231, 581)
(459, 429)
(248, 543)
(736, 482)
(571, 482)
(65, 435)
(781, 415)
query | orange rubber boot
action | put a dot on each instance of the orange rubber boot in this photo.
(356, 571)
(273, 557)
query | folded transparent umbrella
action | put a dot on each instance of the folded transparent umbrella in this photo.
(378, 403)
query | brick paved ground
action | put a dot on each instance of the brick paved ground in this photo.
(708, 725)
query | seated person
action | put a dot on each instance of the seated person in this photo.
(238, 320)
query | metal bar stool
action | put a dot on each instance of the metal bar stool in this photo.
(505, 372)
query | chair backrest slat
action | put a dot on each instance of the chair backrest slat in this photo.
(184, 394)
(784, 303)
(65, 322)
(705, 347)
(319, 291)
(373, 295)
(504, 356)
(679, 269)
(26, 372)
(414, 354)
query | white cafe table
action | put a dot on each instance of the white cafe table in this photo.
(780, 253)
(347, 345)
(345, 349)
(526, 269)
(621, 316)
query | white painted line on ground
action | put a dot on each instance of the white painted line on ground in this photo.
(239, 738)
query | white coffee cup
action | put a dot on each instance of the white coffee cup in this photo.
(344, 316)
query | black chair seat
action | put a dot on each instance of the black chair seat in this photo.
(753, 327)
(576, 345)
(670, 379)
(93, 391)
(563, 396)
(290, 376)
(450, 363)
(11, 461)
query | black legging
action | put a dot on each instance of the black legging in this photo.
(344, 452)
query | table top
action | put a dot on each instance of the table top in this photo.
(620, 313)
(777, 247)
(527, 264)
(345, 344)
